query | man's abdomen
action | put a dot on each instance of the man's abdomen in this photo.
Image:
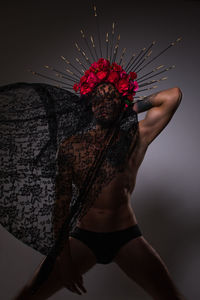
(102, 220)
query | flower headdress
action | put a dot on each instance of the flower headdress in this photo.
(103, 71)
(107, 70)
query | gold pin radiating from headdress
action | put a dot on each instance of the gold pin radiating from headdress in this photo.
(112, 37)
(134, 63)
(80, 63)
(83, 36)
(83, 54)
(121, 58)
(167, 69)
(107, 45)
(116, 49)
(171, 44)
(153, 87)
(145, 55)
(49, 78)
(130, 61)
(68, 77)
(135, 60)
(152, 81)
(98, 29)
(154, 70)
(69, 63)
(93, 45)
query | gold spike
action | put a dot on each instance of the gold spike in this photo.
(82, 33)
(164, 78)
(93, 45)
(33, 72)
(113, 27)
(59, 75)
(107, 37)
(123, 52)
(80, 64)
(70, 72)
(85, 55)
(143, 49)
(179, 39)
(149, 53)
(48, 67)
(78, 60)
(118, 39)
(176, 41)
(67, 61)
(95, 11)
(173, 66)
(78, 48)
(47, 77)
(159, 67)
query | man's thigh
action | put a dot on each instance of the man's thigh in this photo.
(141, 263)
(82, 255)
(83, 258)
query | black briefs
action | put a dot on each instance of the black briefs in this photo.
(105, 245)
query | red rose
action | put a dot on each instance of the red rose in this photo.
(83, 79)
(130, 97)
(116, 67)
(94, 65)
(122, 85)
(102, 75)
(87, 72)
(103, 64)
(76, 87)
(136, 86)
(133, 75)
(123, 75)
(131, 85)
(85, 89)
(113, 77)
(92, 78)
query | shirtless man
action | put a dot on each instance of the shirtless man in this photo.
(112, 212)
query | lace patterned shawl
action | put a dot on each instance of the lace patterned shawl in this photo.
(54, 163)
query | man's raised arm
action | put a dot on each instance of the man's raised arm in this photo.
(161, 107)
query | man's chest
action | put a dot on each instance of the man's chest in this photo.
(114, 170)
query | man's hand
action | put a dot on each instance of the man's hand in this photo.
(69, 275)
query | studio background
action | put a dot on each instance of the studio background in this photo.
(166, 196)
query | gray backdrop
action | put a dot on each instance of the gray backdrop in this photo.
(166, 197)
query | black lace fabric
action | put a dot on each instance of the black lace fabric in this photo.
(58, 152)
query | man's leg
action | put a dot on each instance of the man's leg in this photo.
(141, 263)
(84, 260)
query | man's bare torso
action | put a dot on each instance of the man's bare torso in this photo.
(112, 209)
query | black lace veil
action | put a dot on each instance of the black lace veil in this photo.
(58, 151)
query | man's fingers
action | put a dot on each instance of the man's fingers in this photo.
(80, 284)
(74, 289)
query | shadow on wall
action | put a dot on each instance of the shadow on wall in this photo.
(165, 225)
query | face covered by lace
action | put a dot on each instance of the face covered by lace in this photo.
(58, 153)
